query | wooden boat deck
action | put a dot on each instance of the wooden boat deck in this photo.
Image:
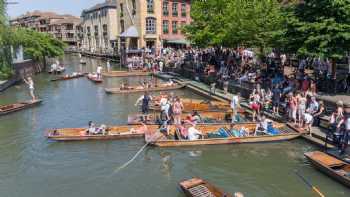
(63, 78)
(95, 79)
(113, 133)
(325, 159)
(331, 166)
(197, 187)
(285, 134)
(160, 88)
(125, 73)
(207, 117)
(6, 109)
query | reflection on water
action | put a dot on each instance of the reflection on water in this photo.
(32, 166)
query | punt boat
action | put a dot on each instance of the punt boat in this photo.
(197, 187)
(333, 167)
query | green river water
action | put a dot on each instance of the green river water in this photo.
(32, 166)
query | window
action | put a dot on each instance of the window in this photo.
(174, 9)
(165, 27)
(96, 30)
(150, 6)
(183, 9)
(122, 27)
(133, 7)
(174, 26)
(121, 10)
(104, 27)
(150, 25)
(165, 8)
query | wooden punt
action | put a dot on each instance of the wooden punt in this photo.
(113, 133)
(159, 88)
(196, 105)
(125, 73)
(207, 117)
(197, 187)
(94, 79)
(63, 78)
(331, 166)
(285, 134)
(60, 70)
(6, 109)
(80, 134)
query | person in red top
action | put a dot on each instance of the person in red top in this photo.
(305, 84)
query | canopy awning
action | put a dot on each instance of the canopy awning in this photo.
(131, 32)
(179, 41)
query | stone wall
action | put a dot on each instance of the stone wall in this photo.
(22, 68)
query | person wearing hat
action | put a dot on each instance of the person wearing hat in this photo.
(193, 133)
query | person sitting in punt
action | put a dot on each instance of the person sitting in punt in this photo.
(91, 128)
(170, 83)
(181, 131)
(195, 117)
(193, 133)
(235, 132)
(261, 126)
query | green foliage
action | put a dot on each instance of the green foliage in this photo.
(5, 45)
(37, 44)
(319, 28)
(253, 23)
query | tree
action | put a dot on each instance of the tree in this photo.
(5, 45)
(319, 28)
(253, 23)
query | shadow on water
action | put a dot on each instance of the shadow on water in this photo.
(32, 166)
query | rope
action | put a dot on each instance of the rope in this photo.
(135, 156)
(132, 159)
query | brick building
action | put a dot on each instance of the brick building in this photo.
(62, 27)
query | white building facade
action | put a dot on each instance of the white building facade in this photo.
(100, 28)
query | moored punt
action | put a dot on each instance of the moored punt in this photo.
(125, 73)
(57, 71)
(135, 90)
(112, 133)
(197, 105)
(285, 134)
(6, 109)
(63, 78)
(331, 166)
(94, 79)
(197, 187)
(207, 118)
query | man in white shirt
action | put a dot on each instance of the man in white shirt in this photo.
(161, 64)
(193, 133)
(108, 66)
(164, 106)
(99, 71)
(234, 106)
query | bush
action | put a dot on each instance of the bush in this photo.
(5, 72)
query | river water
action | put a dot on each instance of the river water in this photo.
(32, 166)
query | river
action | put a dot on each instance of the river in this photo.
(32, 166)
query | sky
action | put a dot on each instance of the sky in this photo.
(73, 7)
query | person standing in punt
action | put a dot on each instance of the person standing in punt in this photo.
(108, 66)
(346, 133)
(177, 110)
(145, 99)
(235, 104)
(29, 81)
(99, 72)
